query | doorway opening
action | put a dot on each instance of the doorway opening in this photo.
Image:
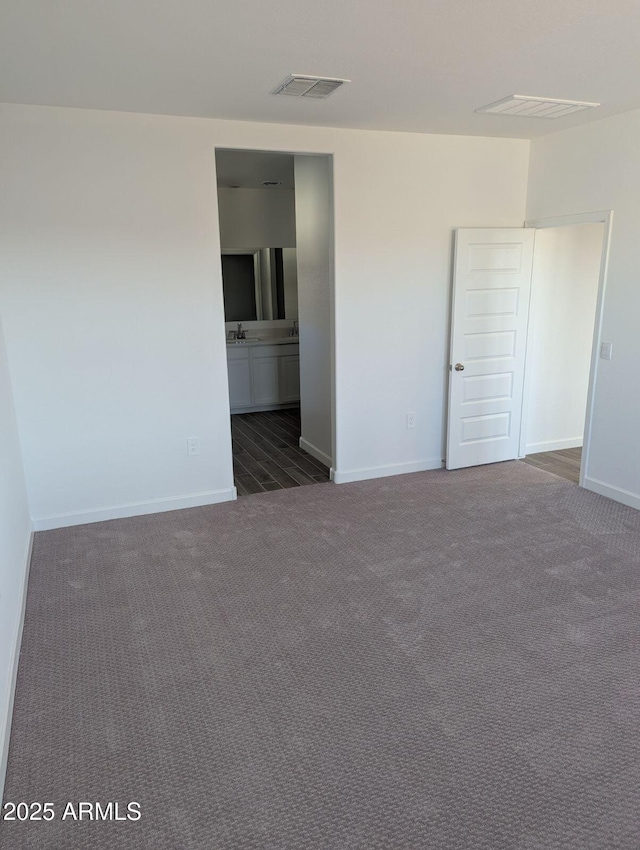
(564, 345)
(276, 239)
(562, 316)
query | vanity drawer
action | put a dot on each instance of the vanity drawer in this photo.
(237, 352)
(266, 350)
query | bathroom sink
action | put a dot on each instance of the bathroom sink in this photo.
(277, 340)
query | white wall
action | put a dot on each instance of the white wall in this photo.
(566, 273)
(314, 228)
(596, 167)
(396, 204)
(15, 536)
(257, 218)
(112, 300)
(112, 295)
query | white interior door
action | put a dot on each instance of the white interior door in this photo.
(491, 289)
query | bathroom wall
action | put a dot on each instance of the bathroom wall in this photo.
(257, 218)
(314, 223)
(262, 218)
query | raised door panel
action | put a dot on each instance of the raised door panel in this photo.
(265, 379)
(239, 382)
(289, 378)
(492, 280)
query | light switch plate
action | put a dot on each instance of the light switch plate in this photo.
(606, 350)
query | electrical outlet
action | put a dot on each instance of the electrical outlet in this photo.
(411, 420)
(606, 350)
(193, 446)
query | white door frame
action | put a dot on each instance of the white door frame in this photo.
(599, 217)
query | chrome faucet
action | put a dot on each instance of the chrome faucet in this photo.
(240, 334)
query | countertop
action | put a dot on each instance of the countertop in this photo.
(281, 340)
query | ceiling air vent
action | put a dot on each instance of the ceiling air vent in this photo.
(536, 107)
(301, 85)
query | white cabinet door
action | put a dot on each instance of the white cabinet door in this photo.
(491, 287)
(239, 378)
(264, 376)
(289, 378)
(265, 379)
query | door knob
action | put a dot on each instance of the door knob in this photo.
(459, 367)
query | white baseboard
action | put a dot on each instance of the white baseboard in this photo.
(173, 503)
(384, 471)
(626, 497)
(554, 445)
(5, 718)
(315, 452)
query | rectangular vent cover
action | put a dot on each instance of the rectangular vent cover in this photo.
(301, 85)
(536, 107)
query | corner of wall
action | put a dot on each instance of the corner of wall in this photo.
(7, 709)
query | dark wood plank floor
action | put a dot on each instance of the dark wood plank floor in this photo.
(266, 454)
(565, 463)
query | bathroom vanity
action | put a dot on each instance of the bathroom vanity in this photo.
(263, 374)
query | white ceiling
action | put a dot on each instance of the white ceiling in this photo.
(416, 65)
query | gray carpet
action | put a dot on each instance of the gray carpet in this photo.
(439, 660)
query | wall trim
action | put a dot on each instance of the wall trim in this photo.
(554, 445)
(384, 471)
(7, 715)
(171, 503)
(315, 452)
(626, 497)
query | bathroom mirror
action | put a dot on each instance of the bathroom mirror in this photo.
(259, 284)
